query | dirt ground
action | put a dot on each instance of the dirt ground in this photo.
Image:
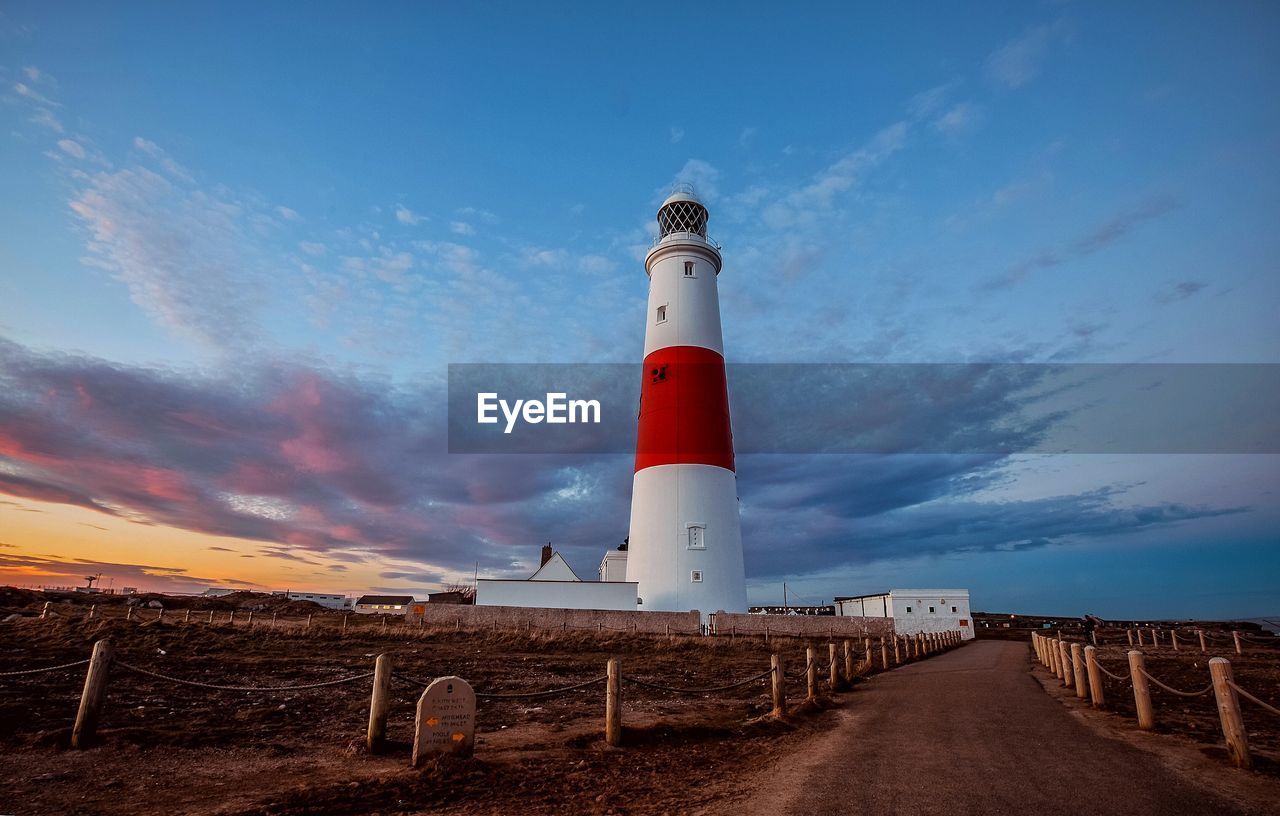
(1257, 671)
(179, 749)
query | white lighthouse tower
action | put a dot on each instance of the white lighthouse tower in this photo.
(685, 547)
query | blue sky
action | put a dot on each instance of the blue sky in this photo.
(290, 224)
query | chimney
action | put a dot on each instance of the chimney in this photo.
(546, 553)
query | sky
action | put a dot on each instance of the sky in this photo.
(239, 247)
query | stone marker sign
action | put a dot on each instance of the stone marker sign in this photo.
(446, 721)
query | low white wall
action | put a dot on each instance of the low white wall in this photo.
(616, 596)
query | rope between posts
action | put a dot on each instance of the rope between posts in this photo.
(1249, 696)
(413, 681)
(674, 690)
(1103, 669)
(1172, 690)
(549, 693)
(45, 669)
(198, 684)
(802, 672)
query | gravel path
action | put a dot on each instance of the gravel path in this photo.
(973, 732)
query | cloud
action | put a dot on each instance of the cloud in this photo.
(677, 134)
(959, 119)
(702, 175)
(806, 204)
(53, 571)
(312, 248)
(1179, 291)
(183, 252)
(71, 148)
(461, 228)
(24, 90)
(407, 216)
(354, 469)
(288, 214)
(747, 136)
(1100, 237)
(45, 118)
(163, 159)
(1021, 60)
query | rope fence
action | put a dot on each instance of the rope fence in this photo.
(103, 660)
(1080, 670)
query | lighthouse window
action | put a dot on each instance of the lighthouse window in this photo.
(696, 576)
(688, 269)
(662, 313)
(697, 536)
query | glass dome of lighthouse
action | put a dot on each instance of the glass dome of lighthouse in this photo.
(683, 212)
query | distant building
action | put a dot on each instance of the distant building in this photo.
(613, 567)
(383, 604)
(914, 610)
(450, 597)
(554, 585)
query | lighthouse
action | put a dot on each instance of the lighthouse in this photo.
(685, 548)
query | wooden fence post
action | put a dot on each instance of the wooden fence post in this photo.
(1173, 638)
(1141, 691)
(160, 616)
(44, 611)
(613, 704)
(91, 699)
(1200, 632)
(848, 662)
(1095, 676)
(93, 608)
(186, 618)
(344, 623)
(273, 620)
(128, 615)
(250, 623)
(833, 667)
(379, 702)
(897, 655)
(1064, 654)
(1235, 635)
(309, 621)
(1077, 668)
(777, 685)
(811, 674)
(1229, 712)
(232, 620)
(210, 617)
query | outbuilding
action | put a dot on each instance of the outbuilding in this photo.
(914, 610)
(384, 604)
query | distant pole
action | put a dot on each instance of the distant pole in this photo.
(811, 673)
(784, 597)
(1235, 635)
(1200, 632)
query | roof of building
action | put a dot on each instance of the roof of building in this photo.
(840, 598)
(385, 599)
(555, 569)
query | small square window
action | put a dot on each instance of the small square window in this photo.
(931, 610)
(696, 576)
(953, 609)
(908, 610)
(662, 313)
(688, 269)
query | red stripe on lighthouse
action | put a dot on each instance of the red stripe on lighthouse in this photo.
(684, 409)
